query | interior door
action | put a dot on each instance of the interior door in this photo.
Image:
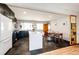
(45, 27)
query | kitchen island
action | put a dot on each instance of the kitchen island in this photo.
(35, 40)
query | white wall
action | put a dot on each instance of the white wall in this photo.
(57, 26)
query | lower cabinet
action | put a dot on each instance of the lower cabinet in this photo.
(5, 46)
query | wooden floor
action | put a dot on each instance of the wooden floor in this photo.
(71, 50)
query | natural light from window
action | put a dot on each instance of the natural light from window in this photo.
(39, 26)
(28, 26)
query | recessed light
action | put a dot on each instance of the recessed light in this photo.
(24, 12)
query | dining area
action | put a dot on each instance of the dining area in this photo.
(53, 41)
(55, 37)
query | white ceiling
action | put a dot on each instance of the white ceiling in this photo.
(43, 11)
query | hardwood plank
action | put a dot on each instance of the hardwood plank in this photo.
(71, 50)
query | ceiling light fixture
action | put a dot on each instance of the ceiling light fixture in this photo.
(24, 12)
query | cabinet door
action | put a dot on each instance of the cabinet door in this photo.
(5, 46)
(5, 34)
(0, 28)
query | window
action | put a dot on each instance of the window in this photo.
(29, 26)
(39, 26)
(48, 26)
(26, 26)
